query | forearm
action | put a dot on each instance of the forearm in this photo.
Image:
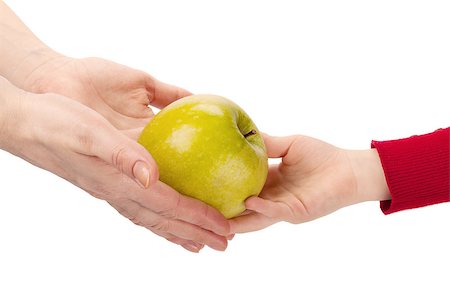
(416, 170)
(21, 52)
(408, 173)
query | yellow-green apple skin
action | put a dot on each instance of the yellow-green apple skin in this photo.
(208, 148)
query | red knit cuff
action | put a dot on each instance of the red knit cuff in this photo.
(416, 170)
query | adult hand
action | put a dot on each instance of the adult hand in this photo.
(313, 179)
(76, 143)
(119, 93)
(73, 141)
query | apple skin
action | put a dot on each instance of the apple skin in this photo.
(199, 145)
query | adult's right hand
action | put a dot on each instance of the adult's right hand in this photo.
(75, 142)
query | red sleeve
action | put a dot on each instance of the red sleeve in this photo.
(416, 169)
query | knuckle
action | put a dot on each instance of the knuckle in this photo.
(118, 158)
(206, 212)
(169, 213)
(299, 212)
(202, 238)
(86, 132)
(122, 210)
(96, 189)
(101, 192)
(155, 224)
(203, 217)
(162, 225)
(172, 210)
(137, 218)
(150, 84)
(84, 139)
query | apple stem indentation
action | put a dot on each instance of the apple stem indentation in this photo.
(250, 133)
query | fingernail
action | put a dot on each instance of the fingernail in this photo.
(219, 246)
(190, 246)
(141, 173)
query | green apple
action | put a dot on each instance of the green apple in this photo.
(208, 148)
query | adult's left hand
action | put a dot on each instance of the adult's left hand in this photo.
(119, 93)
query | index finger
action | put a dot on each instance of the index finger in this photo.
(167, 202)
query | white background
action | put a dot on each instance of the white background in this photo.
(342, 71)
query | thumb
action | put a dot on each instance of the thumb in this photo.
(258, 216)
(126, 155)
(274, 210)
(162, 94)
(277, 146)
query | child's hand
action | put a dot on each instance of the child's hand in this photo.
(313, 180)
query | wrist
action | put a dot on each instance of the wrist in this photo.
(369, 176)
(22, 53)
(11, 100)
(34, 70)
